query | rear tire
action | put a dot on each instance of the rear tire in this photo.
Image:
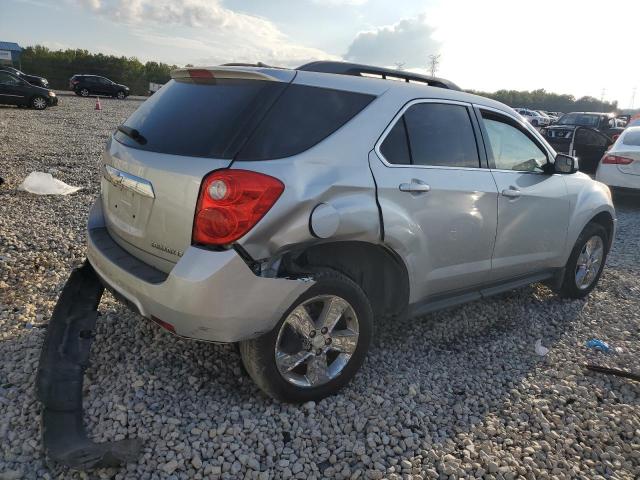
(585, 264)
(328, 357)
(84, 92)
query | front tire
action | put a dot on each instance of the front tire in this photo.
(38, 102)
(121, 95)
(586, 262)
(317, 346)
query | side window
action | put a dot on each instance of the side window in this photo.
(395, 148)
(585, 136)
(441, 134)
(512, 148)
(6, 79)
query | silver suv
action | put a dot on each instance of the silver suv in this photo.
(285, 210)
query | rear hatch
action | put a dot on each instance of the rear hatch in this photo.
(156, 160)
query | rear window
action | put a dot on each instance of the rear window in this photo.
(201, 118)
(632, 139)
(302, 117)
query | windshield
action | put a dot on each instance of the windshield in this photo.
(581, 119)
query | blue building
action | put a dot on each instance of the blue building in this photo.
(10, 54)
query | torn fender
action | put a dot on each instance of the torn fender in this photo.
(63, 361)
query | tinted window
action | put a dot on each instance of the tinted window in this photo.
(203, 118)
(441, 135)
(585, 120)
(395, 148)
(589, 137)
(6, 79)
(302, 117)
(512, 149)
(632, 138)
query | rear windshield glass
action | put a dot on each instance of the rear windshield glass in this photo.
(200, 118)
(579, 119)
(302, 117)
(632, 139)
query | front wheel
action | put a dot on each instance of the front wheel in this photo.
(318, 345)
(39, 103)
(584, 267)
(121, 95)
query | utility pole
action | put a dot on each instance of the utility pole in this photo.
(434, 62)
(399, 65)
(604, 91)
(633, 97)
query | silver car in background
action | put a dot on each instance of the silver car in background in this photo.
(287, 209)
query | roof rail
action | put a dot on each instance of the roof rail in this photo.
(346, 68)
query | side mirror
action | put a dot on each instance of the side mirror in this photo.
(565, 164)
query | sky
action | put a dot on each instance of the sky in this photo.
(565, 46)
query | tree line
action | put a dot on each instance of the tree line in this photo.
(550, 102)
(58, 66)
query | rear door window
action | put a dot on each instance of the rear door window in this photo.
(301, 118)
(441, 134)
(395, 147)
(201, 117)
(433, 134)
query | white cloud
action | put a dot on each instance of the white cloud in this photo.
(217, 34)
(409, 41)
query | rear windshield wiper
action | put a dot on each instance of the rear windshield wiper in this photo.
(132, 133)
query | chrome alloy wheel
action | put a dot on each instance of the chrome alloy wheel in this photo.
(316, 341)
(589, 262)
(39, 103)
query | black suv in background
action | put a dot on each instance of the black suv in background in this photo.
(85, 85)
(32, 79)
(586, 135)
(16, 91)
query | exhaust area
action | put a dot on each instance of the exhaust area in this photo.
(63, 361)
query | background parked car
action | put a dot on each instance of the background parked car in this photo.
(588, 144)
(550, 115)
(85, 85)
(32, 79)
(620, 166)
(533, 117)
(603, 122)
(16, 91)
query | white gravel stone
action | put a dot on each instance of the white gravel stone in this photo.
(458, 393)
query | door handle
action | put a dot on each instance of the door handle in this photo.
(414, 187)
(511, 192)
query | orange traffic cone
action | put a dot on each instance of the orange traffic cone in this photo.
(98, 106)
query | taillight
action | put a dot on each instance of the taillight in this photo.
(231, 202)
(616, 160)
(200, 73)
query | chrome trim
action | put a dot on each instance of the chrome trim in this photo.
(9, 95)
(128, 181)
(395, 119)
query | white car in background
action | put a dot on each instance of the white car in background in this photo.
(620, 166)
(533, 117)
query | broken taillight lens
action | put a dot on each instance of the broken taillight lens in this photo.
(232, 202)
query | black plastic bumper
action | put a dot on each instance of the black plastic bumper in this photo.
(63, 361)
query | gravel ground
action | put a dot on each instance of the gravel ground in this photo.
(459, 393)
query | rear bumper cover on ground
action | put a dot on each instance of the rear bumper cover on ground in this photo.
(208, 295)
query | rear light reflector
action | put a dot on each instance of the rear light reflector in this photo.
(232, 202)
(163, 324)
(616, 160)
(200, 73)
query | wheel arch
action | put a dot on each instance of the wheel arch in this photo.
(378, 270)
